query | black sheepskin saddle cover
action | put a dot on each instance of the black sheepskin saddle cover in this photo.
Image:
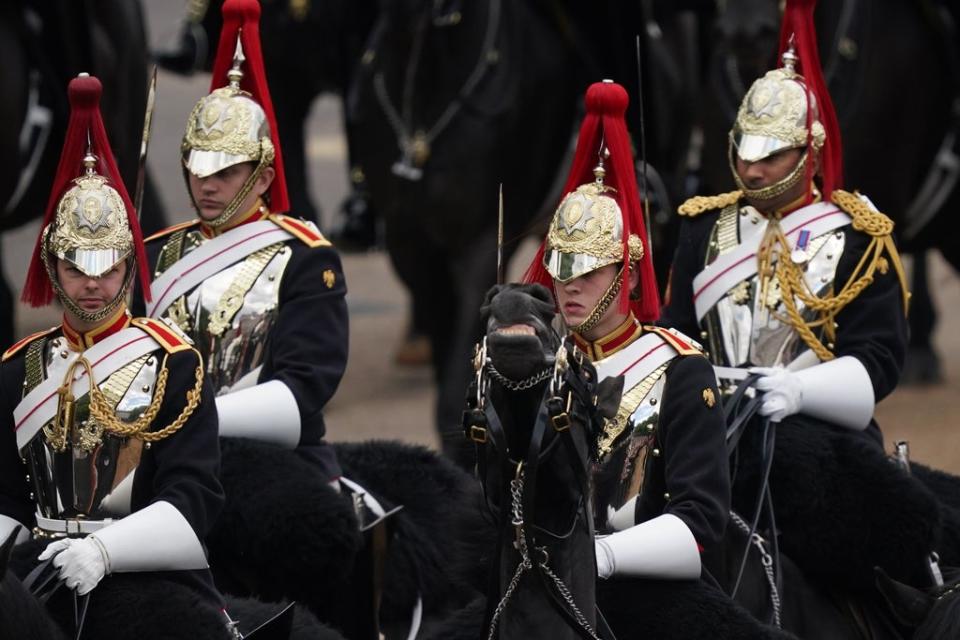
(841, 505)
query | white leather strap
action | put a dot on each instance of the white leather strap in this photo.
(107, 356)
(210, 258)
(636, 361)
(155, 538)
(71, 526)
(267, 412)
(711, 284)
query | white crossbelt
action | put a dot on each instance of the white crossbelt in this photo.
(637, 361)
(72, 526)
(106, 357)
(716, 280)
(211, 258)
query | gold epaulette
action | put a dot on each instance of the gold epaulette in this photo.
(170, 340)
(865, 218)
(169, 230)
(302, 230)
(680, 343)
(699, 204)
(20, 344)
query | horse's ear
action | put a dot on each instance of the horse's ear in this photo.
(5, 551)
(609, 392)
(909, 605)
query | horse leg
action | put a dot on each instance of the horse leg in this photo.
(292, 105)
(923, 364)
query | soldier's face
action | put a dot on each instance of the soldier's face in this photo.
(769, 171)
(91, 294)
(578, 298)
(213, 193)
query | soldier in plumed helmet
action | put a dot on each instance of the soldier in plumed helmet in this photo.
(262, 295)
(108, 441)
(661, 488)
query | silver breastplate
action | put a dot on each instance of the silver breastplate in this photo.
(745, 327)
(628, 445)
(92, 476)
(230, 315)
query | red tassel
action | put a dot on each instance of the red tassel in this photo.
(84, 94)
(798, 22)
(245, 15)
(606, 105)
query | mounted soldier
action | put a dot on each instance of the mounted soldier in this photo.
(798, 283)
(261, 294)
(661, 486)
(108, 447)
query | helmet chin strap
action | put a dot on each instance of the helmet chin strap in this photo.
(775, 190)
(602, 305)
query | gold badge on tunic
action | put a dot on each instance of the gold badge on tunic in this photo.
(709, 398)
(329, 278)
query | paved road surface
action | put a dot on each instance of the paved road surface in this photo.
(379, 400)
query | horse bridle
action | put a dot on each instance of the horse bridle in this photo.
(482, 424)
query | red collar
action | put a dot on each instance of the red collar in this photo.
(258, 211)
(609, 344)
(802, 201)
(78, 341)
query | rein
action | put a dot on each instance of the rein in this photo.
(414, 144)
(483, 425)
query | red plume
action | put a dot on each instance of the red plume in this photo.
(84, 93)
(243, 17)
(798, 22)
(606, 105)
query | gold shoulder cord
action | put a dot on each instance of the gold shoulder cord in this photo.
(794, 287)
(699, 204)
(102, 412)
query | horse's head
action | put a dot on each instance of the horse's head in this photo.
(520, 340)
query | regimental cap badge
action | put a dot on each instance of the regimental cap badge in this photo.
(91, 228)
(773, 114)
(586, 232)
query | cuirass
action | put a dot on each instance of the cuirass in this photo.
(628, 444)
(743, 329)
(230, 315)
(93, 476)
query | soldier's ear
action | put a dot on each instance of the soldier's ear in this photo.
(265, 179)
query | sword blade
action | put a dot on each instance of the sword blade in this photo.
(144, 144)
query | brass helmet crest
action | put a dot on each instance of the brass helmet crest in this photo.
(773, 115)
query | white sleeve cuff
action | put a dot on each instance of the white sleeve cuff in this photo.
(155, 538)
(838, 391)
(662, 548)
(267, 412)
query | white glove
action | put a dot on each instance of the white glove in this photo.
(80, 560)
(783, 392)
(267, 412)
(839, 391)
(662, 548)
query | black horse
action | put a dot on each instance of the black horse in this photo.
(45, 44)
(129, 606)
(901, 152)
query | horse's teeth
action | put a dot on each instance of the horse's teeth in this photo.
(517, 330)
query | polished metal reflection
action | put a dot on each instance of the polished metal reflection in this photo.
(242, 347)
